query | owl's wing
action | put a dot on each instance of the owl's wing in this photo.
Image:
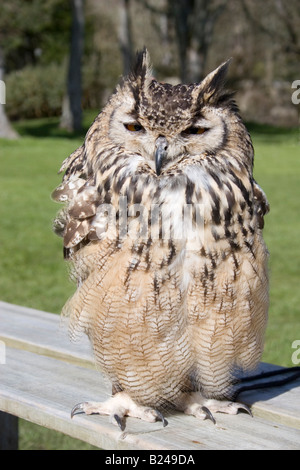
(79, 192)
(74, 163)
(261, 203)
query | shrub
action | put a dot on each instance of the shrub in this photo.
(35, 91)
(38, 91)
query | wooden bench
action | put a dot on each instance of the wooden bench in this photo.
(43, 374)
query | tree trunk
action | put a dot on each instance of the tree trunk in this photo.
(72, 111)
(194, 25)
(6, 130)
(125, 36)
(181, 11)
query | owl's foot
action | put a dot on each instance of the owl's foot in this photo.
(117, 407)
(196, 405)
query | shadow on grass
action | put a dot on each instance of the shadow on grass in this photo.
(271, 133)
(49, 127)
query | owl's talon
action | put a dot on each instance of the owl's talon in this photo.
(118, 407)
(197, 405)
(161, 418)
(208, 414)
(120, 422)
(79, 407)
(246, 408)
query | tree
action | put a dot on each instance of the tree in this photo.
(26, 41)
(31, 30)
(284, 29)
(72, 111)
(125, 36)
(194, 22)
(6, 129)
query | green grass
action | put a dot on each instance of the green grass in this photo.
(277, 170)
(32, 271)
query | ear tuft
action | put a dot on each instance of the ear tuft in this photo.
(142, 68)
(211, 89)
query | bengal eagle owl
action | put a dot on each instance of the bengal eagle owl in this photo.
(163, 227)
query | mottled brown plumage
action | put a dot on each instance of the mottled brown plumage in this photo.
(163, 227)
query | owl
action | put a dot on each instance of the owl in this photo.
(162, 226)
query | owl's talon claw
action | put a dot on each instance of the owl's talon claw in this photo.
(120, 422)
(162, 418)
(208, 414)
(241, 406)
(79, 407)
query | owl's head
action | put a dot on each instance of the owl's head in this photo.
(164, 123)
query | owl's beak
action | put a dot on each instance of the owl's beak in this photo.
(161, 147)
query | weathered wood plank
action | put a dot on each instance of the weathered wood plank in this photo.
(9, 431)
(278, 404)
(43, 390)
(42, 333)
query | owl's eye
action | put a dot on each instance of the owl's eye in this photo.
(133, 127)
(195, 130)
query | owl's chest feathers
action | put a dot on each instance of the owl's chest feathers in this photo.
(181, 226)
(196, 205)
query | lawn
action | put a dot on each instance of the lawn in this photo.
(32, 271)
(277, 170)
